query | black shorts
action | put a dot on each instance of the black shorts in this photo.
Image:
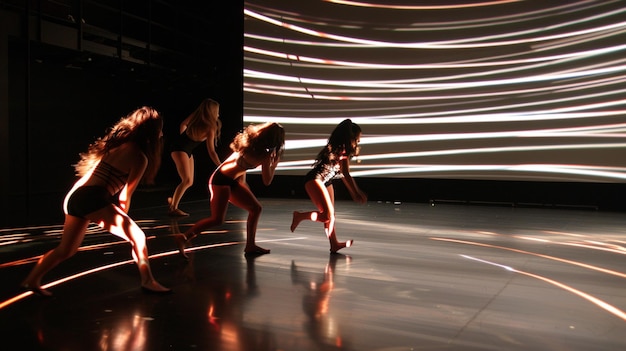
(218, 178)
(87, 199)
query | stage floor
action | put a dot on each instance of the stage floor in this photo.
(419, 277)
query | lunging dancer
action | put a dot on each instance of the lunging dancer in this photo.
(258, 145)
(115, 164)
(332, 162)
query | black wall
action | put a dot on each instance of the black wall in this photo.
(60, 98)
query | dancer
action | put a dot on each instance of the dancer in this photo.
(332, 162)
(115, 164)
(202, 125)
(260, 144)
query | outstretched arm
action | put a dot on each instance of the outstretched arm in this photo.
(356, 193)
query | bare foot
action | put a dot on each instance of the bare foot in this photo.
(36, 289)
(255, 251)
(177, 212)
(294, 222)
(336, 247)
(153, 287)
(182, 242)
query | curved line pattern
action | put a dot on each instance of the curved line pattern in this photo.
(476, 90)
(598, 302)
(23, 295)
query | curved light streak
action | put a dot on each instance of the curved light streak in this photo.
(596, 301)
(552, 258)
(447, 86)
(538, 115)
(481, 21)
(539, 82)
(419, 7)
(449, 44)
(496, 97)
(490, 150)
(21, 296)
(327, 63)
(525, 168)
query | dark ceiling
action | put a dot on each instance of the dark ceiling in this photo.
(170, 36)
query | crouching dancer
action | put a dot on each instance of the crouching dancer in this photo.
(258, 145)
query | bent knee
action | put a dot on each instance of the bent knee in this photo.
(186, 182)
(255, 209)
(325, 217)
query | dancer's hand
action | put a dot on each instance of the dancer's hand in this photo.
(274, 158)
(360, 197)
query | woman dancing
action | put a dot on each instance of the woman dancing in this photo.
(202, 125)
(332, 162)
(115, 164)
(258, 145)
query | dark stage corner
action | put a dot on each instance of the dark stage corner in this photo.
(437, 264)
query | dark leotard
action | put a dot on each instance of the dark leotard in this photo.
(326, 171)
(184, 143)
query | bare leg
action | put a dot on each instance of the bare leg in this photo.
(301, 216)
(324, 199)
(336, 245)
(320, 197)
(219, 204)
(116, 221)
(73, 233)
(185, 168)
(242, 197)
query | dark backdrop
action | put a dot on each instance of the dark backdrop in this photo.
(63, 93)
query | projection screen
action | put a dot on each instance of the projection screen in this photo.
(494, 90)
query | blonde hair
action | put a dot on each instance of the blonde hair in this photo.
(204, 118)
(143, 127)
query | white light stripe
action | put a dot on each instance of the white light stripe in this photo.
(448, 44)
(600, 303)
(363, 65)
(543, 84)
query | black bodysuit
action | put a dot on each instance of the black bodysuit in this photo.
(326, 171)
(184, 143)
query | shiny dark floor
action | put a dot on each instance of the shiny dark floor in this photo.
(419, 277)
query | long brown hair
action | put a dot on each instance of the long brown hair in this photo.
(342, 141)
(260, 139)
(143, 127)
(205, 117)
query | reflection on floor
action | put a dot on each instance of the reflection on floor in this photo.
(419, 277)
